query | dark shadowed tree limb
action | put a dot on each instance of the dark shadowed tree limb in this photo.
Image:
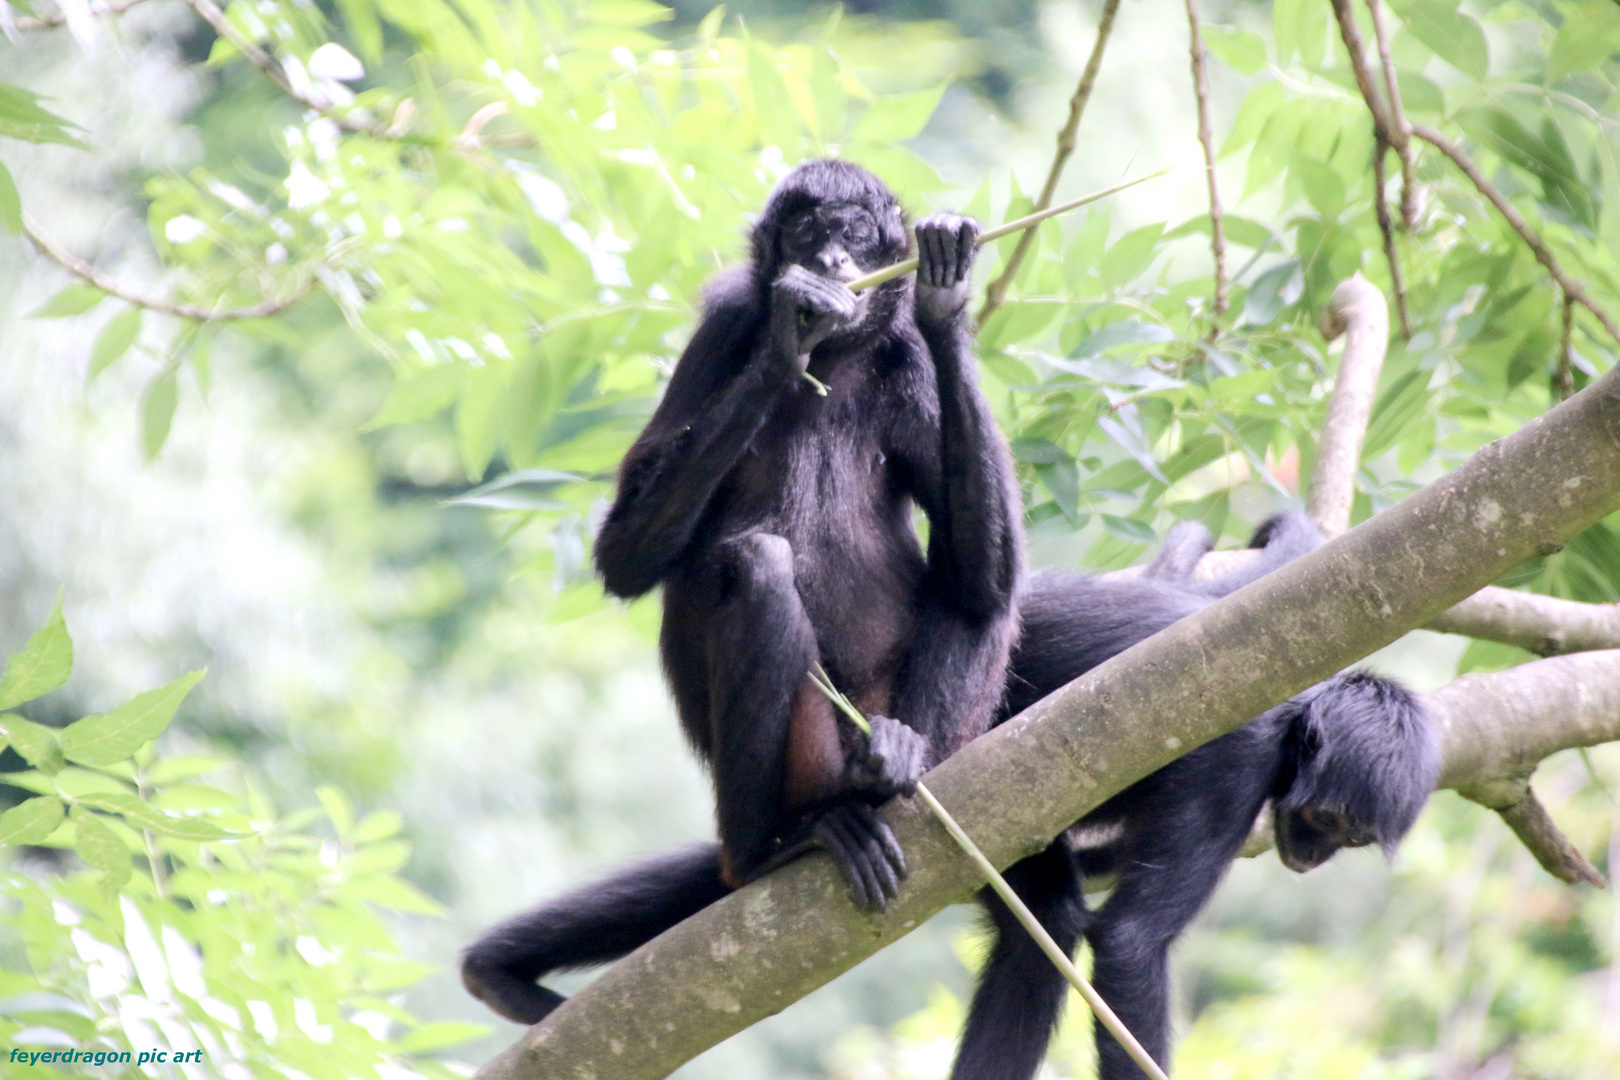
(767, 945)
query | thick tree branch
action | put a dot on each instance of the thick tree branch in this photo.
(1573, 290)
(1206, 140)
(81, 269)
(1358, 311)
(767, 945)
(1544, 625)
(1066, 142)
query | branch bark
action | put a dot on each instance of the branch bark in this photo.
(1573, 290)
(81, 269)
(1206, 140)
(767, 945)
(1358, 311)
(1066, 141)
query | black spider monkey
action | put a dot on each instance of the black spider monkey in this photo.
(780, 524)
(1346, 763)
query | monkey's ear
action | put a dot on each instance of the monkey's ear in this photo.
(1301, 742)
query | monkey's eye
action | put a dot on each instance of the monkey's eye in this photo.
(1327, 821)
(860, 229)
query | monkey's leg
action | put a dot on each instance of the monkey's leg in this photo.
(775, 740)
(1020, 993)
(954, 677)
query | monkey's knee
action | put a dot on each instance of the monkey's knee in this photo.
(758, 563)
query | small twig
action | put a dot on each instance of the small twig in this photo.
(58, 18)
(1537, 831)
(1015, 904)
(1566, 352)
(1572, 289)
(79, 268)
(213, 16)
(1206, 139)
(1386, 229)
(1387, 132)
(1066, 141)
(1400, 133)
(1358, 310)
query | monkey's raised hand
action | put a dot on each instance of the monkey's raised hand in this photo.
(805, 309)
(945, 251)
(892, 761)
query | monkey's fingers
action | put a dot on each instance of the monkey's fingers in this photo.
(897, 754)
(885, 864)
(834, 832)
(967, 243)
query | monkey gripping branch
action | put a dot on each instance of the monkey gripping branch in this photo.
(768, 944)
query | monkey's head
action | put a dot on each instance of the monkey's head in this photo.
(1358, 766)
(832, 218)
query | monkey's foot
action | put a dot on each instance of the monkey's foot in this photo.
(896, 757)
(866, 851)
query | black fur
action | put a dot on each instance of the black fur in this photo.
(779, 523)
(1357, 746)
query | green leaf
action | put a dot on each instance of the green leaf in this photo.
(109, 738)
(114, 340)
(35, 742)
(1240, 50)
(391, 892)
(1589, 36)
(101, 848)
(73, 300)
(827, 88)
(1455, 38)
(157, 410)
(10, 204)
(897, 117)
(526, 489)
(478, 416)
(31, 820)
(22, 118)
(1129, 256)
(1323, 186)
(360, 16)
(1130, 530)
(1272, 291)
(143, 815)
(42, 666)
(418, 396)
(439, 1034)
(1544, 154)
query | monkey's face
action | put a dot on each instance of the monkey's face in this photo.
(1307, 836)
(840, 241)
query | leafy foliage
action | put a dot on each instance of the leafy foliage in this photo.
(203, 920)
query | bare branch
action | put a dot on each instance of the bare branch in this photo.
(79, 268)
(1386, 230)
(1566, 352)
(1535, 828)
(1573, 290)
(1544, 625)
(1386, 133)
(1206, 139)
(1400, 134)
(58, 18)
(766, 945)
(277, 74)
(1066, 141)
(1357, 310)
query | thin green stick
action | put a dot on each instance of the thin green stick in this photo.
(1054, 953)
(889, 273)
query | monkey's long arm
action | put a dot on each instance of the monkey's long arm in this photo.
(710, 413)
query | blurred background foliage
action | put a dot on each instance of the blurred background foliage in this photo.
(368, 513)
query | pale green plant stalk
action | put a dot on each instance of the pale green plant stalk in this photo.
(1054, 953)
